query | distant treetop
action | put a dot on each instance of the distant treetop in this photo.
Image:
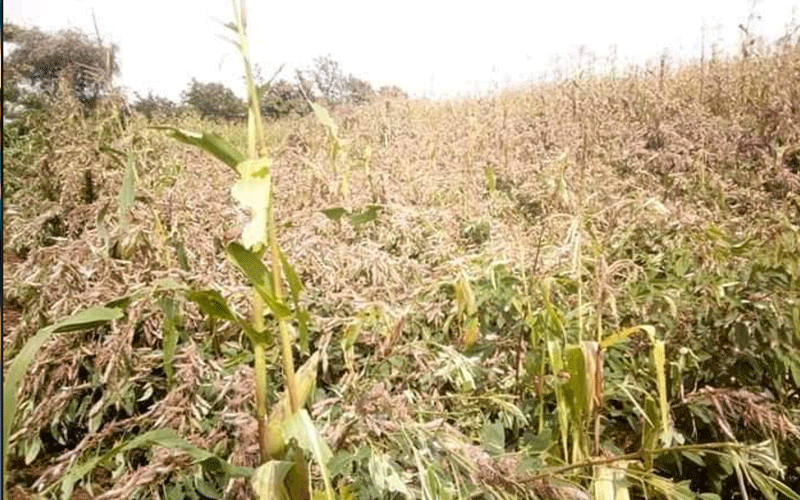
(392, 92)
(213, 100)
(40, 58)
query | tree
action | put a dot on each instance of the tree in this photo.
(392, 92)
(213, 100)
(283, 98)
(357, 91)
(329, 79)
(37, 64)
(153, 106)
(306, 86)
(337, 88)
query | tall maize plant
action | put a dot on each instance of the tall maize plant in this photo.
(283, 471)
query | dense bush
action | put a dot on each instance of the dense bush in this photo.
(392, 92)
(357, 91)
(213, 100)
(154, 106)
(283, 98)
(41, 59)
(335, 87)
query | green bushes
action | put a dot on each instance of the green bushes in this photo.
(283, 98)
(48, 61)
(213, 100)
(154, 106)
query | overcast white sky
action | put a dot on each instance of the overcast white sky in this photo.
(429, 48)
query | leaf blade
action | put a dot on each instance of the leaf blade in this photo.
(209, 142)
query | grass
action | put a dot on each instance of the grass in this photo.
(653, 214)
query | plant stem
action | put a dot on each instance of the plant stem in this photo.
(256, 132)
(283, 326)
(631, 456)
(255, 127)
(255, 141)
(260, 368)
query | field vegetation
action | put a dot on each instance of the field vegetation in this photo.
(584, 288)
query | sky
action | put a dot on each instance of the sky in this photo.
(429, 48)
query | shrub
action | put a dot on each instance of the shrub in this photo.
(358, 91)
(154, 106)
(40, 58)
(392, 92)
(284, 98)
(213, 100)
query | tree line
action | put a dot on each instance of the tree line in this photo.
(42, 62)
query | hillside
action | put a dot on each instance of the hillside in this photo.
(521, 242)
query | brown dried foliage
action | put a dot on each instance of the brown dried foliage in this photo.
(690, 140)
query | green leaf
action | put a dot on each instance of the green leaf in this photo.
(578, 400)
(542, 442)
(437, 489)
(694, 457)
(213, 304)
(554, 352)
(257, 273)
(368, 215)
(676, 491)
(335, 213)
(128, 192)
(296, 288)
(650, 430)
(75, 473)
(622, 335)
(384, 476)
(33, 449)
(252, 191)
(180, 253)
(209, 142)
(207, 489)
(168, 285)
(216, 474)
(325, 119)
(267, 480)
(493, 437)
(768, 482)
(341, 463)
(250, 263)
(89, 318)
(301, 428)
(578, 384)
(295, 285)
